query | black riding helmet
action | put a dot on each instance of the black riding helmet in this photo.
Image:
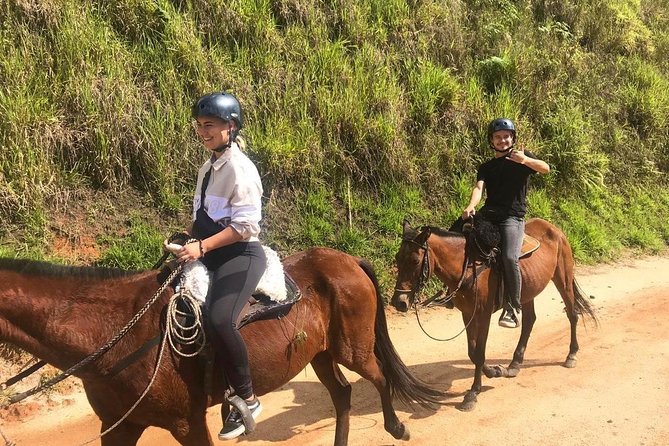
(501, 124)
(220, 105)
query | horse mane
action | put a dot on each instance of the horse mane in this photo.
(441, 232)
(40, 268)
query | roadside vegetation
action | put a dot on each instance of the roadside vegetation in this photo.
(359, 113)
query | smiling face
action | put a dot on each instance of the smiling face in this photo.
(502, 140)
(213, 132)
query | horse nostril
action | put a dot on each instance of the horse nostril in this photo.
(400, 302)
(401, 305)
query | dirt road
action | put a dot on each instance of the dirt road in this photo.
(618, 394)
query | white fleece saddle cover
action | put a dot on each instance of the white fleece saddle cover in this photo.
(196, 278)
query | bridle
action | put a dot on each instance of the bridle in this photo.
(424, 270)
(424, 276)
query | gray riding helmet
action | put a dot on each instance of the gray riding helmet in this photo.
(501, 124)
(220, 105)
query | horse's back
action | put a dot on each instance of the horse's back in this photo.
(544, 231)
(338, 283)
(553, 259)
(336, 310)
(325, 265)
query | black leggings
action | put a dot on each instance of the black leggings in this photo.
(236, 269)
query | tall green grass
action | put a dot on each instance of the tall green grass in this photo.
(358, 113)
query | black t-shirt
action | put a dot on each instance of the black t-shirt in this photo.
(505, 185)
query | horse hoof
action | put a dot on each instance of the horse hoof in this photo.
(468, 403)
(496, 371)
(569, 363)
(512, 372)
(400, 432)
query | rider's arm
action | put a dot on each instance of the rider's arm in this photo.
(475, 199)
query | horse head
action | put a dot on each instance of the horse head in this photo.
(413, 266)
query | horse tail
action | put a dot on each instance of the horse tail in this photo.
(582, 305)
(402, 383)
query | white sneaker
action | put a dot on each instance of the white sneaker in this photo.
(509, 319)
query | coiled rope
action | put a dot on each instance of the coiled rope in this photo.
(185, 328)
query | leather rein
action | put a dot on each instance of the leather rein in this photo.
(424, 276)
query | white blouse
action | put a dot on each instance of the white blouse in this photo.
(234, 192)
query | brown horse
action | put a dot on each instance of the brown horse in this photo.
(63, 314)
(435, 251)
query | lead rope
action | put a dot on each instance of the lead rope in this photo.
(425, 275)
(84, 362)
(175, 329)
(174, 337)
(141, 397)
(8, 442)
(24, 373)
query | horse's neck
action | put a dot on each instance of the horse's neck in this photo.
(449, 256)
(61, 319)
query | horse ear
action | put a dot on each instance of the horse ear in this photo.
(424, 235)
(406, 227)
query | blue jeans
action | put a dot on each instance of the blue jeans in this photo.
(512, 230)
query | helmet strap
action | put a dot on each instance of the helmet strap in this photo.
(505, 150)
(231, 136)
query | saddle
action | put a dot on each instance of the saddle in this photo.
(483, 240)
(530, 244)
(274, 296)
(262, 306)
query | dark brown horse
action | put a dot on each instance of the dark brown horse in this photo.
(552, 261)
(63, 314)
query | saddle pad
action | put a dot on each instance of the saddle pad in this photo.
(273, 283)
(530, 244)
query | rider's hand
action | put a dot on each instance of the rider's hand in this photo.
(468, 213)
(190, 252)
(517, 156)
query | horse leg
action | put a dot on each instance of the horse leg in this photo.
(340, 391)
(193, 432)
(477, 336)
(125, 434)
(564, 282)
(527, 323)
(372, 371)
(570, 362)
